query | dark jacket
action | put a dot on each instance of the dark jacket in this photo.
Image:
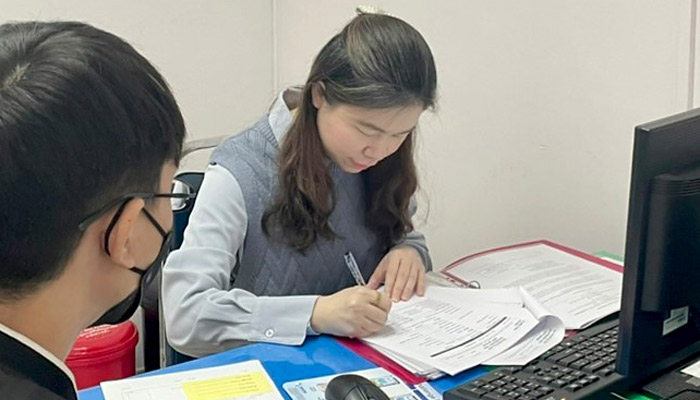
(28, 375)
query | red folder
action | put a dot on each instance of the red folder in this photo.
(381, 360)
(578, 253)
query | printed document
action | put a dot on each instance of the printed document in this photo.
(245, 380)
(452, 333)
(575, 289)
(526, 344)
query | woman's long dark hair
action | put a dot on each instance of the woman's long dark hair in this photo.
(376, 61)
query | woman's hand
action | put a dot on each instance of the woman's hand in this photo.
(402, 272)
(352, 312)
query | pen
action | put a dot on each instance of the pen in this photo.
(354, 269)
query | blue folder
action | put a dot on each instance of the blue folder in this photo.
(318, 356)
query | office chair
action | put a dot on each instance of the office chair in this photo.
(157, 351)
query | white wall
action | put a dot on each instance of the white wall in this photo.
(216, 55)
(538, 100)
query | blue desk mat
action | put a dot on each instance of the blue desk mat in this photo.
(318, 356)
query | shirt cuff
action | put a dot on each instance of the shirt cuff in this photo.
(284, 319)
(309, 329)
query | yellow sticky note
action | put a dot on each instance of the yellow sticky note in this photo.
(227, 387)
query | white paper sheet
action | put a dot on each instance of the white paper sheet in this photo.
(246, 380)
(449, 337)
(576, 290)
(546, 334)
(692, 370)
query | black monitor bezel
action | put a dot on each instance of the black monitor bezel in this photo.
(662, 146)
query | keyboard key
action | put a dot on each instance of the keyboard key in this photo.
(559, 383)
(573, 387)
(568, 360)
(531, 369)
(544, 379)
(594, 366)
(544, 390)
(494, 396)
(560, 355)
(512, 370)
(579, 364)
(509, 386)
(472, 390)
(583, 382)
(501, 391)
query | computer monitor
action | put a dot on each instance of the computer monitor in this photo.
(659, 319)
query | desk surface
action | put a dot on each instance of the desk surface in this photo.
(318, 356)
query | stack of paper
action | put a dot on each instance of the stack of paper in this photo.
(451, 329)
(529, 294)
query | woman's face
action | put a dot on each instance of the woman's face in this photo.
(357, 138)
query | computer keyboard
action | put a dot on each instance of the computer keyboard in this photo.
(582, 366)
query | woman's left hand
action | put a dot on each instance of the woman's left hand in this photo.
(402, 272)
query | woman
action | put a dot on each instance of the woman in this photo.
(329, 170)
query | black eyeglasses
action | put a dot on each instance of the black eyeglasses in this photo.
(177, 201)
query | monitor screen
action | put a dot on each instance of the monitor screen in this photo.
(659, 321)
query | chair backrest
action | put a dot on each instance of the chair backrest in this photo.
(155, 341)
(191, 181)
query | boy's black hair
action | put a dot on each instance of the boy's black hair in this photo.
(84, 118)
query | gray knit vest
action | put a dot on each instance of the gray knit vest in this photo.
(270, 267)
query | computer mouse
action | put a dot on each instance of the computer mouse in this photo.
(353, 387)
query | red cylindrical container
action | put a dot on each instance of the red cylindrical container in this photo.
(104, 352)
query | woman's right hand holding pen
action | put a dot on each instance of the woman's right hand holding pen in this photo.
(353, 312)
